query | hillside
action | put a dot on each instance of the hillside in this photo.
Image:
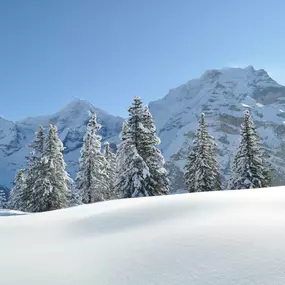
(214, 238)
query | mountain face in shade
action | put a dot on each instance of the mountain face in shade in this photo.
(223, 95)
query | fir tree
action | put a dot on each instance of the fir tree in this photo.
(110, 171)
(16, 195)
(50, 191)
(190, 169)
(214, 163)
(136, 128)
(92, 180)
(74, 197)
(139, 147)
(3, 199)
(268, 170)
(34, 164)
(158, 182)
(133, 173)
(251, 169)
(201, 170)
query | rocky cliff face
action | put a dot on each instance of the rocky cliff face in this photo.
(223, 95)
(71, 122)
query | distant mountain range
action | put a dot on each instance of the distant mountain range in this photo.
(71, 122)
(222, 95)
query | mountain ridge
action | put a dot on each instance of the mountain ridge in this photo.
(222, 94)
(71, 121)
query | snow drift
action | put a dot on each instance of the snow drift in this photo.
(227, 237)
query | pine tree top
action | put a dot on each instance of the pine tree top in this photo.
(19, 176)
(251, 169)
(137, 107)
(107, 147)
(38, 144)
(93, 124)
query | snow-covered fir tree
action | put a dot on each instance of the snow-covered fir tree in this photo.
(201, 170)
(3, 199)
(251, 168)
(50, 191)
(214, 163)
(74, 198)
(139, 143)
(111, 168)
(132, 171)
(92, 179)
(136, 129)
(158, 181)
(16, 195)
(268, 170)
(33, 172)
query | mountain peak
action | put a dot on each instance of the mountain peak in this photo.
(77, 104)
(249, 68)
(237, 75)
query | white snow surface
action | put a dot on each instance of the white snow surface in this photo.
(4, 212)
(214, 238)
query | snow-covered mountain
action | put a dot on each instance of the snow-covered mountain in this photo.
(71, 122)
(222, 95)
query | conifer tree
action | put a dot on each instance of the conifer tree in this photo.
(268, 170)
(201, 170)
(74, 197)
(92, 180)
(158, 181)
(215, 163)
(251, 169)
(3, 199)
(33, 172)
(132, 171)
(136, 128)
(110, 171)
(16, 195)
(50, 191)
(139, 147)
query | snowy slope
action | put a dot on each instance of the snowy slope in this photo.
(71, 122)
(217, 238)
(222, 95)
(5, 212)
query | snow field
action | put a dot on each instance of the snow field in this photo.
(221, 238)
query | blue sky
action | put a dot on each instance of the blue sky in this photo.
(107, 51)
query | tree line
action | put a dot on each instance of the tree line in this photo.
(135, 170)
(251, 167)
